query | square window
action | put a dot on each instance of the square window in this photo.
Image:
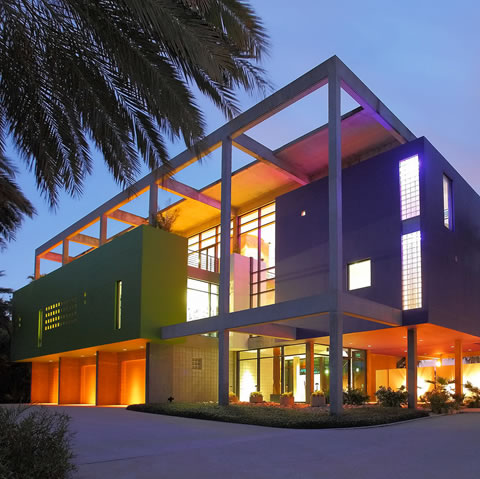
(359, 274)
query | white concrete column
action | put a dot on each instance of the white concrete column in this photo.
(153, 203)
(65, 256)
(412, 367)
(458, 367)
(336, 362)
(36, 270)
(225, 215)
(335, 241)
(223, 366)
(310, 370)
(103, 229)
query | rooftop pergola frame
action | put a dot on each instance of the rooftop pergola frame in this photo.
(235, 131)
(335, 302)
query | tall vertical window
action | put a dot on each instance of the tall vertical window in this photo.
(40, 328)
(118, 305)
(409, 187)
(447, 203)
(411, 271)
(257, 241)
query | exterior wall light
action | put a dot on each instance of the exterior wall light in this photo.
(303, 213)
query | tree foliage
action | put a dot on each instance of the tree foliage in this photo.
(117, 74)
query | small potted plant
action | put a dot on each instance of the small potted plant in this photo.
(318, 399)
(287, 399)
(232, 397)
(256, 397)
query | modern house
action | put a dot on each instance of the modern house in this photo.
(353, 260)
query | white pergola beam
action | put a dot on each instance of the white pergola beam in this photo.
(265, 155)
(128, 218)
(85, 240)
(366, 98)
(185, 191)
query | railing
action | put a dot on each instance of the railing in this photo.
(202, 260)
(262, 286)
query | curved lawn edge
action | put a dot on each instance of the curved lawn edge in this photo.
(283, 417)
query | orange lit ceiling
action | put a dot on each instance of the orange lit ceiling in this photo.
(132, 345)
(433, 341)
(258, 183)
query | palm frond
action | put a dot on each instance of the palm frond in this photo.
(117, 74)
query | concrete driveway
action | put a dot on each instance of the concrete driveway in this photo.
(115, 443)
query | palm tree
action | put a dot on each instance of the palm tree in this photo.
(117, 74)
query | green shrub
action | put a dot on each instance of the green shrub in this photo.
(256, 394)
(355, 397)
(473, 401)
(287, 395)
(387, 397)
(318, 393)
(35, 443)
(440, 401)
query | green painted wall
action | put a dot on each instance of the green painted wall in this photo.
(152, 265)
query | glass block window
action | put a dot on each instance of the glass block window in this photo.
(359, 274)
(411, 271)
(409, 188)
(447, 203)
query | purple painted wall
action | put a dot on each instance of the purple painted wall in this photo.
(373, 228)
(451, 258)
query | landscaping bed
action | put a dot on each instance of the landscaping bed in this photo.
(274, 416)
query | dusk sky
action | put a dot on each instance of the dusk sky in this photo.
(421, 58)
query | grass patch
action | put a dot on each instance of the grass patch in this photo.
(272, 416)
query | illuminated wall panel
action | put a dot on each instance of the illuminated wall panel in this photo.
(411, 271)
(409, 188)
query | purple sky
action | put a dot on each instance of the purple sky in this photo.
(420, 58)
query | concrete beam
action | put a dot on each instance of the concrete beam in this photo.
(103, 229)
(366, 98)
(153, 203)
(223, 367)
(370, 310)
(335, 241)
(458, 367)
(185, 191)
(294, 309)
(272, 330)
(85, 240)
(57, 257)
(128, 218)
(412, 359)
(225, 215)
(265, 155)
(65, 255)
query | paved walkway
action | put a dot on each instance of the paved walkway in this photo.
(115, 443)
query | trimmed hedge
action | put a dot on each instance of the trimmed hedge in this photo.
(273, 416)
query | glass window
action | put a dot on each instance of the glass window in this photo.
(251, 354)
(359, 275)
(118, 305)
(411, 271)
(247, 378)
(410, 187)
(447, 203)
(202, 299)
